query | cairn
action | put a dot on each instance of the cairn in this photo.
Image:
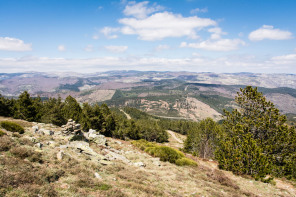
(71, 128)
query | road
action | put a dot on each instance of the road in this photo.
(174, 136)
(127, 115)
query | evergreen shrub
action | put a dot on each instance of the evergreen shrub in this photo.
(13, 127)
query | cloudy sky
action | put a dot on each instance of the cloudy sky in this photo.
(165, 35)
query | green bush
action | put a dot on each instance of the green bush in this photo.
(143, 144)
(185, 162)
(165, 153)
(2, 133)
(13, 127)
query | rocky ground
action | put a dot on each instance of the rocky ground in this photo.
(99, 166)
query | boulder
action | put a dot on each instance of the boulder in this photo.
(140, 164)
(40, 131)
(83, 147)
(35, 128)
(48, 132)
(100, 140)
(114, 156)
(39, 145)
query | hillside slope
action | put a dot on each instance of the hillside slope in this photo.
(43, 161)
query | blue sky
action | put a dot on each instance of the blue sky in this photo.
(165, 35)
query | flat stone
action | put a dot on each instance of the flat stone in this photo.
(105, 162)
(114, 156)
(98, 176)
(140, 164)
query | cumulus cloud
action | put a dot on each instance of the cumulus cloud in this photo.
(199, 10)
(164, 25)
(216, 33)
(61, 48)
(14, 44)
(109, 32)
(218, 45)
(141, 9)
(268, 32)
(116, 49)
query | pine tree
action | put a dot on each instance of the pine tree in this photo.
(24, 107)
(203, 139)
(72, 109)
(258, 134)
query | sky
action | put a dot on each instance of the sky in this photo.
(87, 36)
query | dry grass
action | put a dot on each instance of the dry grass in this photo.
(74, 174)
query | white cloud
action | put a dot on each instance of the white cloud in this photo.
(216, 33)
(284, 59)
(61, 48)
(219, 45)
(14, 44)
(199, 10)
(109, 32)
(162, 47)
(116, 49)
(163, 25)
(268, 32)
(89, 48)
(141, 10)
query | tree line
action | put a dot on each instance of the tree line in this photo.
(98, 117)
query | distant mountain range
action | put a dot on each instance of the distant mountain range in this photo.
(185, 95)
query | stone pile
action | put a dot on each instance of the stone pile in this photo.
(71, 128)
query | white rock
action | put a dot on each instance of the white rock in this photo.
(98, 176)
(48, 132)
(35, 128)
(140, 164)
(60, 155)
(39, 145)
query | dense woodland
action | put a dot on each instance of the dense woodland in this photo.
(98, 117)
(254, 140)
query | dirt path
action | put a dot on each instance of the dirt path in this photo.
(175, 137)
(127, 115)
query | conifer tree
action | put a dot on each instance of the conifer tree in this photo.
(24, 107)
(203, 139)
(72, 109)
(258, 127)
